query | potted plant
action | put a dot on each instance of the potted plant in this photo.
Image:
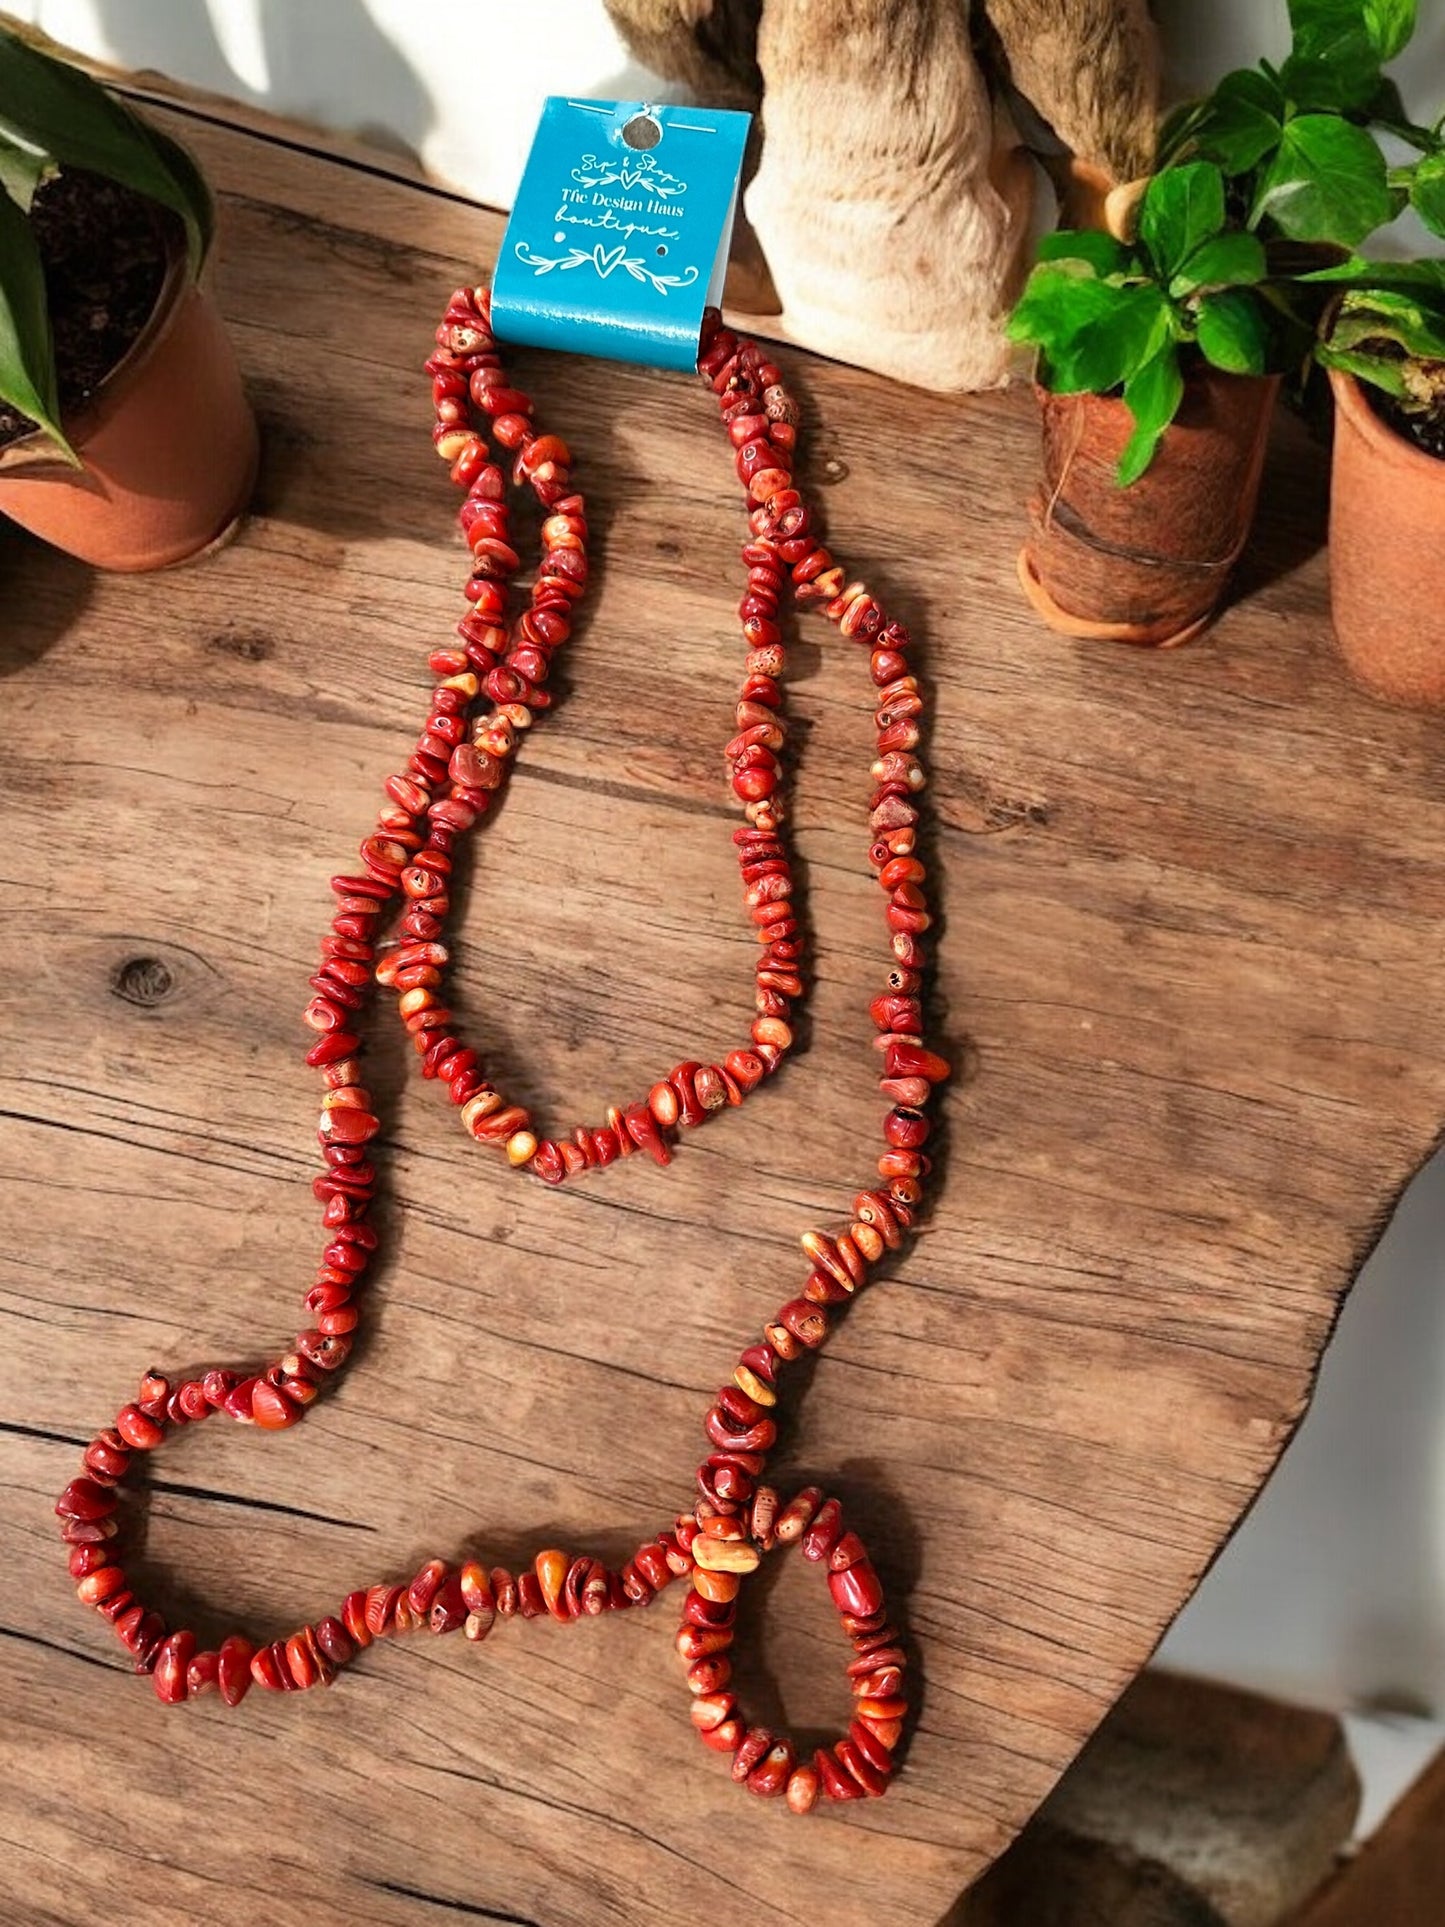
(1384, 347)
(1159, 348)
(125, 437)
(1155, 388)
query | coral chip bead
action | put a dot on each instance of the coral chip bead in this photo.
(868, 1777)
(107, 1458)
(797, 1515)
(381, 1604)
(334, 1640)
(477, 1593)
(871, 1747)
(203, 1675)
(857, 1589)
(698, 1642)
(84, 1499)
(802, 1789)
(233, 1669)
(823, 1534)
(877, 1710)
(422, 1589)
(172, 1665)
(271, 1409)
(98, 1586)
(906, 1130)
(709, 1675)
(301, 1659)
(266, 1670)
(530, 1602)
(756, 782)
(447, 1610)
(752, 1751)
(887, 1732)
(722, 1555)
(551, 1570)
(353, 1617)
(711, 1709)
(836, 1782)
(724, 1737)
(718, 1588)
(885, 1684)
(770, 1777)
(137, 1429)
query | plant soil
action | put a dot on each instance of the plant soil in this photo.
(104, 249)
(1425, 429)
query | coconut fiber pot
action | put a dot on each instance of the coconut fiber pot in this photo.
(168, 444)
(1146, 564)
(1387, 554)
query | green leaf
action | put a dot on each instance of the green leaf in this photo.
(1390, 314)
(1326, 182)
(1232, 332)
(1329, 30)
(1343, 84)
(1178, 127)
(191, 183)
(1093, 335)
(1228, 261)
(1380, 370)
(1152, 396)
(1389, 23)
(1099, 252)
(1182, 209)
(58, 108)
(1338, 46)
(27, 361)
(1242, 121)
(1427, 192)
(1357, 272)
(21, 170)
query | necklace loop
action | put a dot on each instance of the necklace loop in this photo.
(459, 764)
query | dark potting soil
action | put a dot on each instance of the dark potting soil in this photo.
(104, 249)
(1426, 430)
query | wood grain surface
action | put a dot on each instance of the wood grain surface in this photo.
(1191, 967)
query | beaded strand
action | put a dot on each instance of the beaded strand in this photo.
(460, 762)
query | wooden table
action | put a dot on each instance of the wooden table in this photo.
(1191, 967)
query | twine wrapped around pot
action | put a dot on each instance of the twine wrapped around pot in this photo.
(1146, 564)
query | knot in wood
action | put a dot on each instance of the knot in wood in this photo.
(143, 981)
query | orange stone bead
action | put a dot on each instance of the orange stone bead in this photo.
(551, 1569)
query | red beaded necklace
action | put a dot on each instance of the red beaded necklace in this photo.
(457, 766)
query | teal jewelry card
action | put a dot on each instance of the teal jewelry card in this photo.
(619, 236)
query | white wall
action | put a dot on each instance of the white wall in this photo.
(460, 86)
(1335, 1589)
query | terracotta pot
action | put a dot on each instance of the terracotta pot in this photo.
(168, 442)
(1387, 554)
(1146, 564)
